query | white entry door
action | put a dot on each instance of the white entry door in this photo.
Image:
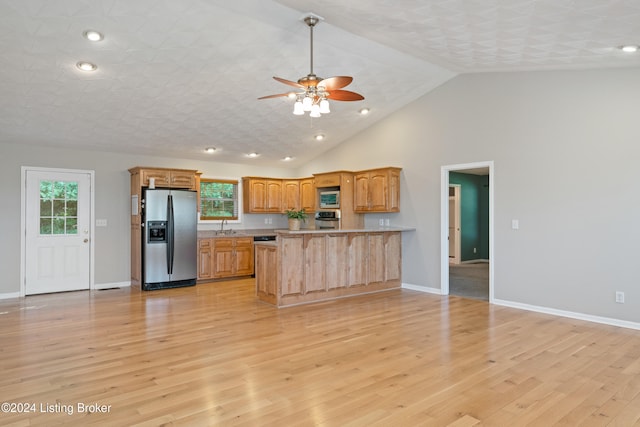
(58, 231)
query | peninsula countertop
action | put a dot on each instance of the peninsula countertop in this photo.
(343, 230)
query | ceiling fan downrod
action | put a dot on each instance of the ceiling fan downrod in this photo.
(311, 21)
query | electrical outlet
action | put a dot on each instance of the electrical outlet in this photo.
(475, 250)
(387, 222)
(381, 222)
(620, 297)
(270, 220)
(266, 220)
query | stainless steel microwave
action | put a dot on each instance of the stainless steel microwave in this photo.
(330, 199)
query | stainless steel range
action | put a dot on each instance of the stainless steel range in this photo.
(328, 219)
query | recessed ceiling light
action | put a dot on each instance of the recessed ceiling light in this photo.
(93, 35)
(630, 48)
(254, 154)
(210, 150)
(364, 111)
(287, 159)
(319, 137)
(86, 66)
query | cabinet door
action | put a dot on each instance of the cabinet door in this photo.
(204, 259)
(376, 264)
(378, 191)
(337, 260)
(361, 192)
(394, 191)
(257, 195)
(314, 263)
(291, 191)
(274, 195)
(308, 195)
(267, 272)
(358, 251)
(180, 179)
(393, 255)
(243, 257)
(293, 268)
(162, 177)
(223, 258)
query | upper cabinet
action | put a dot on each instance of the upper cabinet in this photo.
(167, 178)
(270, 195)
(308, 194)
(291, 194)
(377, 190)
(262, 195)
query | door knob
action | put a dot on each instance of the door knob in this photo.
(86, 240)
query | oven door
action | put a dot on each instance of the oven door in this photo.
(327, 224)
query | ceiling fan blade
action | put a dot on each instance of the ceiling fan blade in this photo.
(288, 82)
(337, 82)
(275, 96)
(344, 95)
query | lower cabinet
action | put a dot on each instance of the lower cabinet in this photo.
(310, 267)
(226, 257)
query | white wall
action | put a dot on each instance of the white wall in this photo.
(112, 202)
(565, 146)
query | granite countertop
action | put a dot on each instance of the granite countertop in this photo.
(207, 234)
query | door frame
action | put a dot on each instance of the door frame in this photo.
(444, 222)
(457, 233)
(23, 221)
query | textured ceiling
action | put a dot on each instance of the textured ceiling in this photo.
(175, 77)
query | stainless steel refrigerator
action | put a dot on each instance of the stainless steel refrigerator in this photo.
(169, 238)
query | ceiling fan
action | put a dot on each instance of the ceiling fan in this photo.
(315, 91)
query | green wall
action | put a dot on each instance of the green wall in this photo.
(474, 214)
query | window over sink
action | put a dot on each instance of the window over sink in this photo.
(218, 199)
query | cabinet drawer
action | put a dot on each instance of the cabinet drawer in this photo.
(204, 243)
(330, 180)
(223, 242)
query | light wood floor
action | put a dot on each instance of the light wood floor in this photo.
(213, 355)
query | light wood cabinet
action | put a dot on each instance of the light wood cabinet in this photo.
(308, 194)
(291, 194)
(344, 180)
(266, 275)
(163, 178)
(204, 259)
(318, 266)
(262, 195)
(377, 190)
(225, 257)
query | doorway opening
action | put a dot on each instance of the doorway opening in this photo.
(471, 273)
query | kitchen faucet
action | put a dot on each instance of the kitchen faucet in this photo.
(222, 225)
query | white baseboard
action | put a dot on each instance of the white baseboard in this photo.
(539, 309)
(99, 286)
(10, 295)
(419, 288)
(569, 314)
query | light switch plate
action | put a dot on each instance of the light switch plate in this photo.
(101, 222)
(515, 224)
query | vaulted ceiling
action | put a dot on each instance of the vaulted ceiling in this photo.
(175, 77)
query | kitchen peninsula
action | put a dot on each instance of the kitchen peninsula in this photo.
(315, 265)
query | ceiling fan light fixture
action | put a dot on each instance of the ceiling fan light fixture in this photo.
(298, 109)
(315, 111)
(307, 102)
(324, 106)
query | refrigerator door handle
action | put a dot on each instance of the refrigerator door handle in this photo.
(170, 234)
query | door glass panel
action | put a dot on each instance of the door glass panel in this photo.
(58, 207)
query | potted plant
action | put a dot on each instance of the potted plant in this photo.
(295, 217)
